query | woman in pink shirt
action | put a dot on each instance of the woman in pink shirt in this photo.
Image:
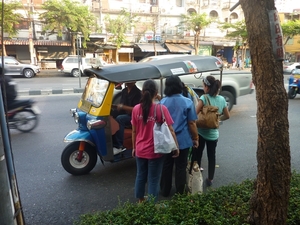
(149, 164)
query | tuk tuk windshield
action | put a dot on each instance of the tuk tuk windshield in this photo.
(95, 90)
(296, 71)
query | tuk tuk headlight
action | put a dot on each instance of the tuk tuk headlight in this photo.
(72, 112)
(95, 124)
(76, 117)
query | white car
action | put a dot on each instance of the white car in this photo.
(289, 67)
(70, 65)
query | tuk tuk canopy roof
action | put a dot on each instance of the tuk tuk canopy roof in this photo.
(157, 69)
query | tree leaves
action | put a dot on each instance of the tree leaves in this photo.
(11, 18)
(70, 16)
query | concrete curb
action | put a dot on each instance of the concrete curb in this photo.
(50, 91)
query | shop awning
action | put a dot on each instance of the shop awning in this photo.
(125, 50)
(36, 42)
(206, 43)
(179, 48)
(150, 48)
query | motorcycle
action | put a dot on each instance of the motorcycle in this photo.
(94, 112)
(23, 115)
(294, 83)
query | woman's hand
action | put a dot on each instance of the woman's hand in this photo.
(158, 97)
(133, 153)
(195, 143)
(175, 153)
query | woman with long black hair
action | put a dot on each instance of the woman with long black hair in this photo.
(149, 164)
(209, 137)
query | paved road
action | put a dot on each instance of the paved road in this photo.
(51, 196)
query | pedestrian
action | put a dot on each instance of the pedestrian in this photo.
(149, 164)
(209, 137)
(240, 66)
(247, 62)
(183, 113)
(234, 63)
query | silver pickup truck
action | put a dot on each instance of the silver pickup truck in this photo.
(235, 83)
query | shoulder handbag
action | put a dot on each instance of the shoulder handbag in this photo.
(208, 117)
(163, 140)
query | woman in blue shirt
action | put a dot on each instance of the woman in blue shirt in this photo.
(209, 137)
(184, 115)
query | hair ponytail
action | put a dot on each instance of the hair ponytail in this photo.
(214, 85)
(149, 92)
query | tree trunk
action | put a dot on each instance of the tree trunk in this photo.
(196, 42)
(4, 50)
(74, 52)
(269, 202)
(154, 42)
(117, 55)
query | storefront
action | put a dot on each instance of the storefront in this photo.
(143, 50)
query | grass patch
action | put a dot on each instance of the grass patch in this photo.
(227, 205)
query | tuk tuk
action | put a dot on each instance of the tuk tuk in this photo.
(294, 83)
(96, 125)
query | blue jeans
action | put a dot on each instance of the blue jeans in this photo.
(118, 138)
(148, 171)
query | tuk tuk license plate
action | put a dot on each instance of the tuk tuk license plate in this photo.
(86, 106)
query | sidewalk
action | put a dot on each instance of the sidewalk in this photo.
(50, 73)
(50, 91)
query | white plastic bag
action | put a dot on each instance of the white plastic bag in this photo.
(164, 142)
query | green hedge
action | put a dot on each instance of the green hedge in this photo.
(221, 206)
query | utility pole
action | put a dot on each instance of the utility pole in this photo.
(10, 207)
(30, 30)
(6, 208)
(100, 12)
(78, 40)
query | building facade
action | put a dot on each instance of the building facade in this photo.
(33, 45)
(167, 15)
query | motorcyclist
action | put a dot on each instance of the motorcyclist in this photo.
(9, 87)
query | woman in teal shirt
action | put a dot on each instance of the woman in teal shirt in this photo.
(209, 137)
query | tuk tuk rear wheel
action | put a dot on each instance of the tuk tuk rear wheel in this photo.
(70, 162)
(292, 93)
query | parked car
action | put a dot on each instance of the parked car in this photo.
(289, 67)
(13, 67)
(70, 65)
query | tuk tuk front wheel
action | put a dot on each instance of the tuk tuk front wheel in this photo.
(75, 166)
(292, 93)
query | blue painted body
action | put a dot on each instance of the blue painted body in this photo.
(294, 82)
(95, 137)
